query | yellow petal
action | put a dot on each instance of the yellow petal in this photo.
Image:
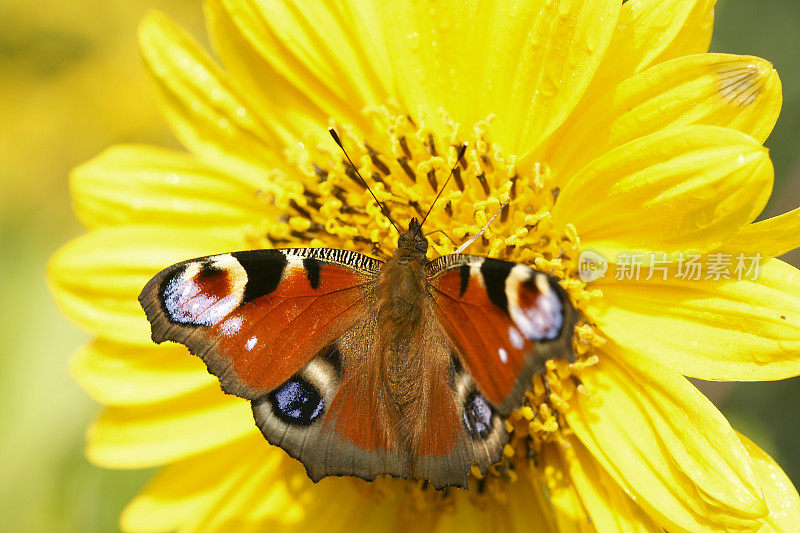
(694, 35)
(182, 490)
(607, 504)
(279, 496)
(96, 279)
(568, 510)
(781, 496)
(738, 92)
(524, 508)
(666, 445)
(116, 374)
(160, 433)
(527, 63)
(687, 188)
(205, 109)
(652, 31)
(310, 62)
(771, 237)
(292, 113)
(143, 184)
(728, 330)
(518, 512)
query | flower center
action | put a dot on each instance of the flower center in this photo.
(405, 165)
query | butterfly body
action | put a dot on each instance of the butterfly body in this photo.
(359, 367)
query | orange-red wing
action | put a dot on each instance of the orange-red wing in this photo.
(257, 317)
(505, 319)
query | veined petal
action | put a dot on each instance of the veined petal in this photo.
(120, 375)
(666, 445)
(741, 330)
(206, 111)
(781, 496)
(771, 237)
(329, 53)
(148, 185)
(96, 279)
(160, 433)
(739, 92)
(652, 31)
(180, 491)
(607, 504)
(693, 187)
(448, 55)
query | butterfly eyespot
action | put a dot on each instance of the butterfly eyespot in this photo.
(297, 402)
(477, 416)
(200, 293)
(537, 311)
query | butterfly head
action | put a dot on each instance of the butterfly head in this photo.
(412, 245)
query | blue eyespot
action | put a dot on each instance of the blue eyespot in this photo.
(297, 402)
(477, 416)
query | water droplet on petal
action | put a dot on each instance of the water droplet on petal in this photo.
(413, 41)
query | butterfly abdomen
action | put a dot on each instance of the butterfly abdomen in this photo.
(402, 346)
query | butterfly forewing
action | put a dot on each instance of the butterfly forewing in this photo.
(257, 317)
(505, 320)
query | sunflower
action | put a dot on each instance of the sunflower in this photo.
(608, 128)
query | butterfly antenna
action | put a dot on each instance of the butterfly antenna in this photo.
(363, 181)
(483, 230)
(458, 160)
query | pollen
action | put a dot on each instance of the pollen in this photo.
(405, 165)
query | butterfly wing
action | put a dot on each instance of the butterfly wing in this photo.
(336, 416)
(257, 317)
(460, 427)
(294, 331)
(297, 333)
(332, 416)
(505, 320)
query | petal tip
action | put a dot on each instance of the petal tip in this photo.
(745, 82)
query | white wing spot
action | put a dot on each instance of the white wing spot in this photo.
(251, 342)
(503, 355)
(516, 338)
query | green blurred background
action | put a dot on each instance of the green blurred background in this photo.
(71, 83)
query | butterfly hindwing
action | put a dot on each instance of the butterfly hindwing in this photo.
(330, 415)
(505, 320)
(337, 417)
(257, 317)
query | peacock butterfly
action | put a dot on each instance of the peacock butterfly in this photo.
(356, 366)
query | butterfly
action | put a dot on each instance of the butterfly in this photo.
(356, 366)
